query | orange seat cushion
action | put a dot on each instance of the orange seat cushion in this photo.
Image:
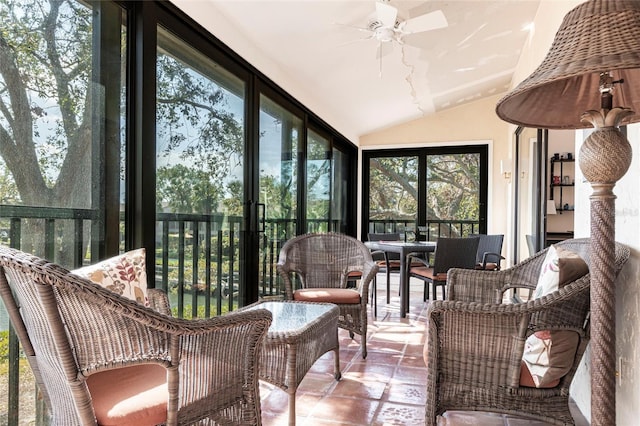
(425, 272)
(490, 266)
(330, 295)
(130, 396)
(395, 264)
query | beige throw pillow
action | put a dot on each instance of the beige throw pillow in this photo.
(124, 274)
(549, 354)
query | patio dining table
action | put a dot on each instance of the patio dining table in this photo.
(404, 248)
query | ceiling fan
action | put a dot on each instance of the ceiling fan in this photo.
(387, 27)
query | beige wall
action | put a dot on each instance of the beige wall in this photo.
(477, 121)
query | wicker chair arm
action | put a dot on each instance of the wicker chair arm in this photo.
(369, 271)
(131, 333)
(468, 285)
(484, 342)
(284, 271)
(159, 301)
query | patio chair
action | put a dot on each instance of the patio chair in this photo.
(317, 267)
(100, 358)
(387, 262)
(489, 252)
(450, 253)
(475, 343)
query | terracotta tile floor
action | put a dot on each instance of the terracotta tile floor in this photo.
(385, 389)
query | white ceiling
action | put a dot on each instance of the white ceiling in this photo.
(310, 48)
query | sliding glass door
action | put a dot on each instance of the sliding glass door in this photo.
(432, 192)
(279, 152)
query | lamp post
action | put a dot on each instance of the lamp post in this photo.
(596, 53)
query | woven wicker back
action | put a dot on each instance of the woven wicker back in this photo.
(27, 289)
(324, 260)
(71, 328)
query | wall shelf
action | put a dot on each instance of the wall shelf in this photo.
(558, 187)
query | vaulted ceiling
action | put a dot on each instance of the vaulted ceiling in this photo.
(320, 52)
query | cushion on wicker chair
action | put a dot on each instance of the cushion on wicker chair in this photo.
(526, 380)
(559, 268)
(489, 266)
(428, 273)
(124, 274)
(130, 396)
(331, 295)
(549, 354)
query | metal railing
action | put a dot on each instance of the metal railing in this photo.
(197, 264)
(430, 231)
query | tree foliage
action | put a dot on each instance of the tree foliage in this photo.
(452, 187)
(48, 111)
(393, 188)
(44, 74)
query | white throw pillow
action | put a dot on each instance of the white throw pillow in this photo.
(549, 354)
(124, 274)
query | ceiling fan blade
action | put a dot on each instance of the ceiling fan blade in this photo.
(426, 22)
(386, 14)
(384, 49)
(363, 29)
(346, 43)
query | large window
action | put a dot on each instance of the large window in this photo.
(124, 125)
(61, 127)
(428, 193)
(278, 207)
(393, 193)
(127, 125)
(318, 182)
(62, 148)
(200, 143)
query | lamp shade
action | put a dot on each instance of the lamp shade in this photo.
(596, 36)
(551, 207)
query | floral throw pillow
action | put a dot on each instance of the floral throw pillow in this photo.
(124, 274)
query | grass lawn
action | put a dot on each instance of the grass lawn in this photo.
(27, 387)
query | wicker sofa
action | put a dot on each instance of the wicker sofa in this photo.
(87, 346)
(475, 343)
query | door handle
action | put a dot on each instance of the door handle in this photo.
(261, 220)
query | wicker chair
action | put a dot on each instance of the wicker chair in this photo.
(79, 337)
(316, 268)
(475, 344)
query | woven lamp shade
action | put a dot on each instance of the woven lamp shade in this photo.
(596, 36)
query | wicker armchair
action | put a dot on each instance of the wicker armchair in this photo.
(80, 339)
(316, 268)
(475, 344)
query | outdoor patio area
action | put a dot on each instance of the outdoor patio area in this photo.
(388, 388)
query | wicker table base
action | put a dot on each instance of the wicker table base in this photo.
(299, 334)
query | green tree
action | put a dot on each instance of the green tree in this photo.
(452, 187)
(184, 190)
(41, 67)
(49, 106)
